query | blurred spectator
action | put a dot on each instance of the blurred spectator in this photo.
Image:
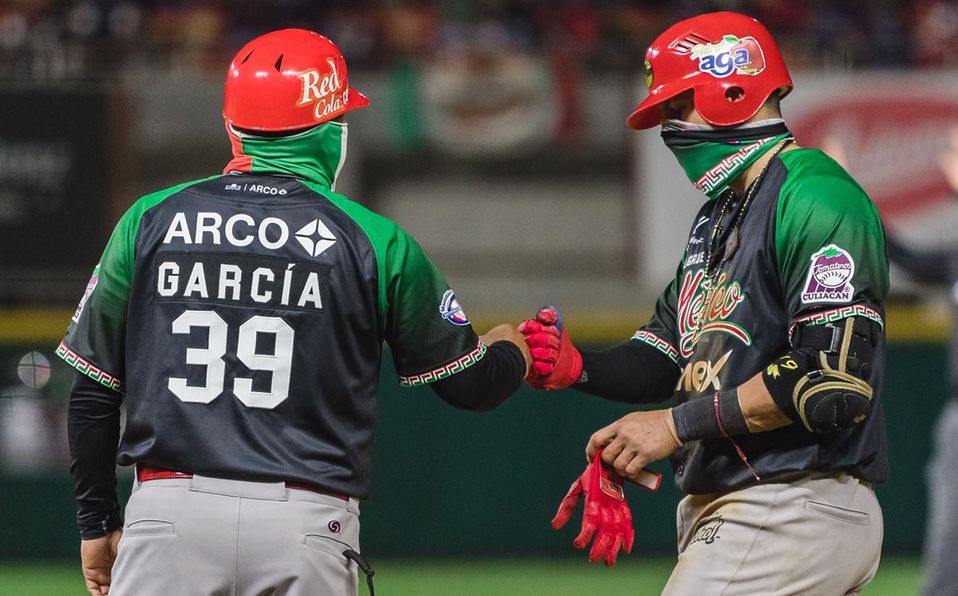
(43, 39)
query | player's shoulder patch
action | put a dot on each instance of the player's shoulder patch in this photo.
(451, 310)
(90, 286)
(829, 276)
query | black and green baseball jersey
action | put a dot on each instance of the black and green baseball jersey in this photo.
(243, 316)
(810, 250)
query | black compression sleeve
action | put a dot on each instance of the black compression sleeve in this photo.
(93, 426)
(632, 373)
(487, 383)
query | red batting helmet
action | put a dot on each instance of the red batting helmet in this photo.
(713, 55)
(286, 80)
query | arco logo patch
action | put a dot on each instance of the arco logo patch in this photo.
(451, 310)
(732, 55)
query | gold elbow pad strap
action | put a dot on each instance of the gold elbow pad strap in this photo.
(829, 400)
(822, 382)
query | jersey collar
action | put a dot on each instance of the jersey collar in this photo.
(316, 155)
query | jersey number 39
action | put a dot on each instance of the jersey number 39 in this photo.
(212, 355)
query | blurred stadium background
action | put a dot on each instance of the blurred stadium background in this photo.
(496, 136)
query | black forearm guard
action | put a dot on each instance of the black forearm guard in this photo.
(823, 381)
(93, 426)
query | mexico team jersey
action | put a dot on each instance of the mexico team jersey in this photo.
(243, 317)
(810, 251)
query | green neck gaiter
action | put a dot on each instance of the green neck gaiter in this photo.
(713, 157)
(316, 155)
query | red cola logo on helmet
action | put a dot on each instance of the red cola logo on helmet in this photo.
(324, 90)
(730, 56)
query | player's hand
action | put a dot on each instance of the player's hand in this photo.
(96, 559)
(510, 334)
(634, 440)
(556, 363)
(606, 514)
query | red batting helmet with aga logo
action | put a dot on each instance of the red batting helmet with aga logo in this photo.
(287, 80)
(728, 60)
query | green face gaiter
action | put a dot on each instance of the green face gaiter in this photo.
(713, 157)
(316, 154)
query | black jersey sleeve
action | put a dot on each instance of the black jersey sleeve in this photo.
(94, 342)
(663, 331)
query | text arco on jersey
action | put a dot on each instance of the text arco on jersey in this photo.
(242, 230)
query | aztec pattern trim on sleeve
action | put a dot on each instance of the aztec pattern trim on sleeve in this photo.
(88, 368)
(447, 370)
(658, 343)
(823, 317)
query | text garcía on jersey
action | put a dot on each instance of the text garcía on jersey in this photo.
(240, 280)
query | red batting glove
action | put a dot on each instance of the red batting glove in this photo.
(556, 363)
(606, 514)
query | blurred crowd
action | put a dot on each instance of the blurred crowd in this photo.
(63, 39)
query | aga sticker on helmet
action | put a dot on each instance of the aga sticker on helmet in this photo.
(730, 56)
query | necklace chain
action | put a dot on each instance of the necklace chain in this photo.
(708, 281)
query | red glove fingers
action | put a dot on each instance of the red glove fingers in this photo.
(606, 518)
(629, 538)
(613, 551)
(602, 543)
(567, 505)
(588, 530)
(531, 326)
(543, 339)
(556, 363)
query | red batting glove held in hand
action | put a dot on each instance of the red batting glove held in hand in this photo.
(606, 513)
(556, 363)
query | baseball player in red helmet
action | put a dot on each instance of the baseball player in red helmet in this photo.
(241, 319)
(769, 340)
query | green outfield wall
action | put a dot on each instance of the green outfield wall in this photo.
(448, 482)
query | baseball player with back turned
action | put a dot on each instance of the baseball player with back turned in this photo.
(769, 339)
(241, 319)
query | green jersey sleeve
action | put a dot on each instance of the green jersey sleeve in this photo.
(94, 343)
(829, 245)
(662, 330)
(426, 327)
(422, 321)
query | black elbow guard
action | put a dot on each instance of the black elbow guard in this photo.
(822, 383)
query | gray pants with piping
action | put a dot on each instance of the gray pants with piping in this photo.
(213, 537)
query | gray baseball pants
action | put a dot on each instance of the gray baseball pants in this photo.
(941, 534)
(212, 537)
(799, 534)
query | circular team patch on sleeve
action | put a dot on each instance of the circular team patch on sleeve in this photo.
(451, 310)
(829, 276)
